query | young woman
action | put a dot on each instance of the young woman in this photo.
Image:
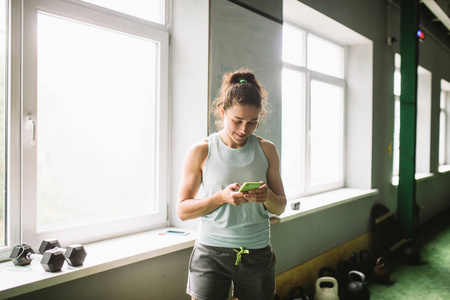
(233, 246)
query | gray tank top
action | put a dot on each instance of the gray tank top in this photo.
(246, 225)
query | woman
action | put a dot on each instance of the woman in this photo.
(233, 245)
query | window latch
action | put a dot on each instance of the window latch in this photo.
(31, 124)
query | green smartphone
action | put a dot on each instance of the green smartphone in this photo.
(247, 186)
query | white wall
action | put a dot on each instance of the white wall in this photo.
(189, 53)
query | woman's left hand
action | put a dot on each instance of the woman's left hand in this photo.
(258, 195)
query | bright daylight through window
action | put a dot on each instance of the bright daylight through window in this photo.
(150, 10)
(312, 113)
(96, 128)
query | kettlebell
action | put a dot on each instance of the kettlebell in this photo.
(353, 261)
(328, 272)
(381, 273)
(357, 288)
(298, 293)
(342, 268)
(367, 262)
(411, 253)
(326, 292)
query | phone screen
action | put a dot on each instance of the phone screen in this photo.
(247, 186)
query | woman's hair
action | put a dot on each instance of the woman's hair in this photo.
(240, 87)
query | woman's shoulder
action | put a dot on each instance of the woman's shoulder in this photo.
(267, 147)
(265, 143)
(198, 151)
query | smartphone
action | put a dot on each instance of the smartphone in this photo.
(175, 232)
(247, 186)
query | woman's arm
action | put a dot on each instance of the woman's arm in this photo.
(275, 200)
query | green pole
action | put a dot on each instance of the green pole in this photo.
(406, 207)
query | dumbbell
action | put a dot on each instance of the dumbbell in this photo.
(52, 260)
(74, 254)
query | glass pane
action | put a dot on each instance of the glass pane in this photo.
(397, 83)
(396, 139)
(151, 10)
(325, 57)
(293, 130)
(293, 45)
(3, 65)
(326, 157)
(96, 124)
(442, 135)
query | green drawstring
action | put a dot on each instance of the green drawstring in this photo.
(239, 254)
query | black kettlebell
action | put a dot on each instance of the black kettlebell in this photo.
(357, 287)
(381, 272)
(353, 261)
(411, 253)
(342, 268)
(367, 262)
(298, 293)
(328, 272)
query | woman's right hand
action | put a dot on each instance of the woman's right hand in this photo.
(231, 195)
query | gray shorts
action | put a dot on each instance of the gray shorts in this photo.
(213, 270)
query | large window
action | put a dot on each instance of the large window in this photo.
(94, 119)
(312, 113)
(423, 121)
(444, 126)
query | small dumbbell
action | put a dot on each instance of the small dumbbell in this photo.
(74, 254)
(52, 260)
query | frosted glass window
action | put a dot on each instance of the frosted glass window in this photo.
(326, 132)
(325, 57)
(293, 124)
(151, 10)
(293, 51)
(96, 116)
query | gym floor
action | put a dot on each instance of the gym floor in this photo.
(429, 280)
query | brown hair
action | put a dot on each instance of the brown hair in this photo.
(240, 87)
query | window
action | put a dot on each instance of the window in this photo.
(95, 121)
(3, 68)
(312, 113)
(150, 10)
(396, 139)
(444, 125)
(423, 121)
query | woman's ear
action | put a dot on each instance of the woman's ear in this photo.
(222, 112)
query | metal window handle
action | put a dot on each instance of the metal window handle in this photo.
(31, 124)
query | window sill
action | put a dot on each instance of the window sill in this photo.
(444, 168)
(102, 256)
(315, 203)
(418, 176)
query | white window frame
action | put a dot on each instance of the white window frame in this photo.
(310, 75)
(444, 137)
(24, 159)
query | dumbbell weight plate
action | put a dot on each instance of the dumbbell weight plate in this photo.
(75, 255)
(52, 260)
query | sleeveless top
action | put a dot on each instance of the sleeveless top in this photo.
(246, 225)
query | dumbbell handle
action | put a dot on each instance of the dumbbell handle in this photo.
(32, 256)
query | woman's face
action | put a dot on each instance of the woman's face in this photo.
(240, 121)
